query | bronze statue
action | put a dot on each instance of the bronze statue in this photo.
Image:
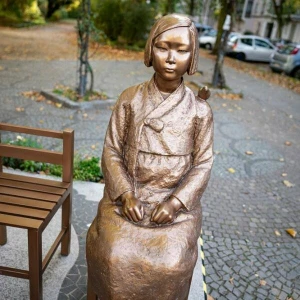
(156, 162)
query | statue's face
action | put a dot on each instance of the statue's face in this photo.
(172, 53)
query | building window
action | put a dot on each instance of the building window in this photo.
(249, 8)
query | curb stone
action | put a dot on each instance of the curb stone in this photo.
(77, 105)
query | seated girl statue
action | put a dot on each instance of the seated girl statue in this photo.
(156, 163)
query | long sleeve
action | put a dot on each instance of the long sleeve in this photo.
(117, 180)
(193, 184)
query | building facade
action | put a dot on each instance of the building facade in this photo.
(257, 16)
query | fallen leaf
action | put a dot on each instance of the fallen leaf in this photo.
(49, 102)
(224, 104)
(249, 152)
(277, 233)
(71, 117)
(1, 68)
(40, 98)
(287, 183)
(231, 280)
(41, 108)
(93, 146)
(217, 152)
(59, 105)
(281, 159)
(42, 121)
(19, 109)
(292, 232)
(231, 170)
(85, 115)
(262, 283)
(284, 174)
(288, 143)
(230, 96)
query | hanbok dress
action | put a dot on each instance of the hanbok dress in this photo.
(155, 147)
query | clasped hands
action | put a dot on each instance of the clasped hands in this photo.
(163, 213)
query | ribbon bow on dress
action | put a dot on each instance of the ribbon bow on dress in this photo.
(155, 124)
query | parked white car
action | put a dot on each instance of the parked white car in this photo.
(250, 47)
(208, 39)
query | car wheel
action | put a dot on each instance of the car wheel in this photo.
(208, 46)
(241, 56)
(276, 71)
(296, 73)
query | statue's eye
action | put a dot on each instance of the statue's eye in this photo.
(183, 51)
(161, 48)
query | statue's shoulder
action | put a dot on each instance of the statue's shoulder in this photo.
(130, 93)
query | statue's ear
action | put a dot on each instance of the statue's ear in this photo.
(204, 93)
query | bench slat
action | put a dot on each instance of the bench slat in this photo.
(31, 154)
(28, 194)
(40, 181)
(23, 211)
(31, 186)
(19, 221)
(26, 202)
(31, 130)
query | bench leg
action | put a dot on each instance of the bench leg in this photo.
(35, 264)
(3, 235)
(66, 223)
(90, 293)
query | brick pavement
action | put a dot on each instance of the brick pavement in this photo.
(244, 257)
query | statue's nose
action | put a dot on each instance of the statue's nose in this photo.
(171, 58)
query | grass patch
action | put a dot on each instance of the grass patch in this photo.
(73, 95)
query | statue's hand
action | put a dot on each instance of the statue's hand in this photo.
(165, 212)
(132, 207)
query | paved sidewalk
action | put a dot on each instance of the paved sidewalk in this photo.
(245, 259)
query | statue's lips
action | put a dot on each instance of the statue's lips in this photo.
(169, 70)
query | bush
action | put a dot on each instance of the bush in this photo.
(137, 19)
(248, 32)
(84, 169)
(109, 18)
(124, 21)
(20, 13)
(59, 14)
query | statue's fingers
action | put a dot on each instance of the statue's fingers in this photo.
(142, 211)
(137, 213)
(162, 219)
(133, 215)
(153, 215)
(126, 215)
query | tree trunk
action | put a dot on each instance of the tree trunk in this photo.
(221, 20)
(278, 9)
(218, 79)
(218, 76)
(84, 23)
(192, 7)
(52, 7)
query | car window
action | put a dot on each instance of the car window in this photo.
(233, 39)
(287, 49)
(263, 44)
(246, 41)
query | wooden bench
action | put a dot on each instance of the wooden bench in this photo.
(30, 203)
